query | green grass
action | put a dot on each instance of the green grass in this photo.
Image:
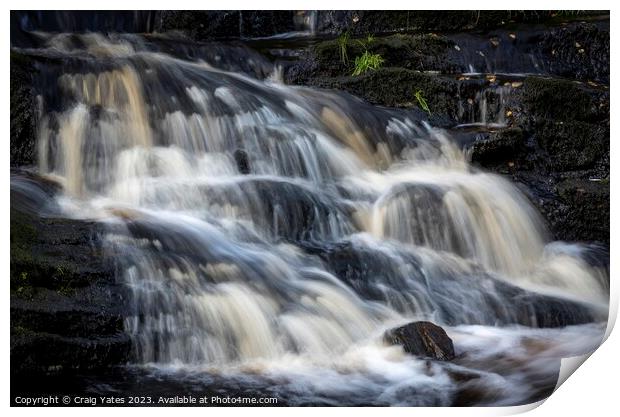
(343, 42)
(366, 42)
(422, 102)
(367, 62)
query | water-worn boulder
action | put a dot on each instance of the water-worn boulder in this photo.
(67, 309)
(422, 338)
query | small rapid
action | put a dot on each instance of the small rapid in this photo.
(272, 233)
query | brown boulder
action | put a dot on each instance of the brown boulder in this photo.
(422, 338)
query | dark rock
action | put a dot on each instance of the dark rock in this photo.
(242, 160)
(416, 52)
(585, 208)
(139, 21)
(203, 25)
(561, 156)
(375, 21)
(67, 309)
(396, 87)
(285, 210)
(521, 49)
(422, 338)
(39, 352)
(580, 51)
(499, 147)
(260, 23)
(572, 145)
(563, 100)
(23, 111)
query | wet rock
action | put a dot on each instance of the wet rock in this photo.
(39, 352)
(82, 21)
(416, 52)
(584, 210)
(374, 21)
(572, 145)
(66, 307)
(422, 338)
(499, 147)
(260, 23)
(562, 100)
(23, 105)
(284, 209)
(580, 51)
(524, 49)
(398, 87)
(560, 156)
(242, 160)
(216, 24)
(478, 298)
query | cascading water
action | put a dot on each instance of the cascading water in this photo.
(271, 233)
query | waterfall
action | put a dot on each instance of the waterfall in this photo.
(266, 227)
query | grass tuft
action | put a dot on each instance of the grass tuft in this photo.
(422, 102)
(367, 62)
(343, 42)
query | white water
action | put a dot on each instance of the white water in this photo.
(351, 220)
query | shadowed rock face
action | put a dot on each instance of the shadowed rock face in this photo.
(422, 338)
(23, 107)
(66, 308)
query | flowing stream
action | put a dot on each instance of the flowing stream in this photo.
(271, 233)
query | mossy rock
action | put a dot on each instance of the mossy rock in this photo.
(396, 87)
(587, 210)
(563, 100)
(572, 145)
(67, 309)
(499, 147)
(23, 110)
(416, 52)
(384, 21)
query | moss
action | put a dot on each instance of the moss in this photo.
(22, 110)
(360, 22)
(417, 52)
(563, 100)
(32, 267)
(396, 87)
(506, 145)
(572, 145)
(587, 214)
(20, 331)
(23, 235)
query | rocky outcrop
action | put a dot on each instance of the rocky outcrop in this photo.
(550, 131)
(580, 52)
(384, 21)
(559, 150)
(203, 25)
(66, 307)
(23, 114)
(577, 50)
(422, 338)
